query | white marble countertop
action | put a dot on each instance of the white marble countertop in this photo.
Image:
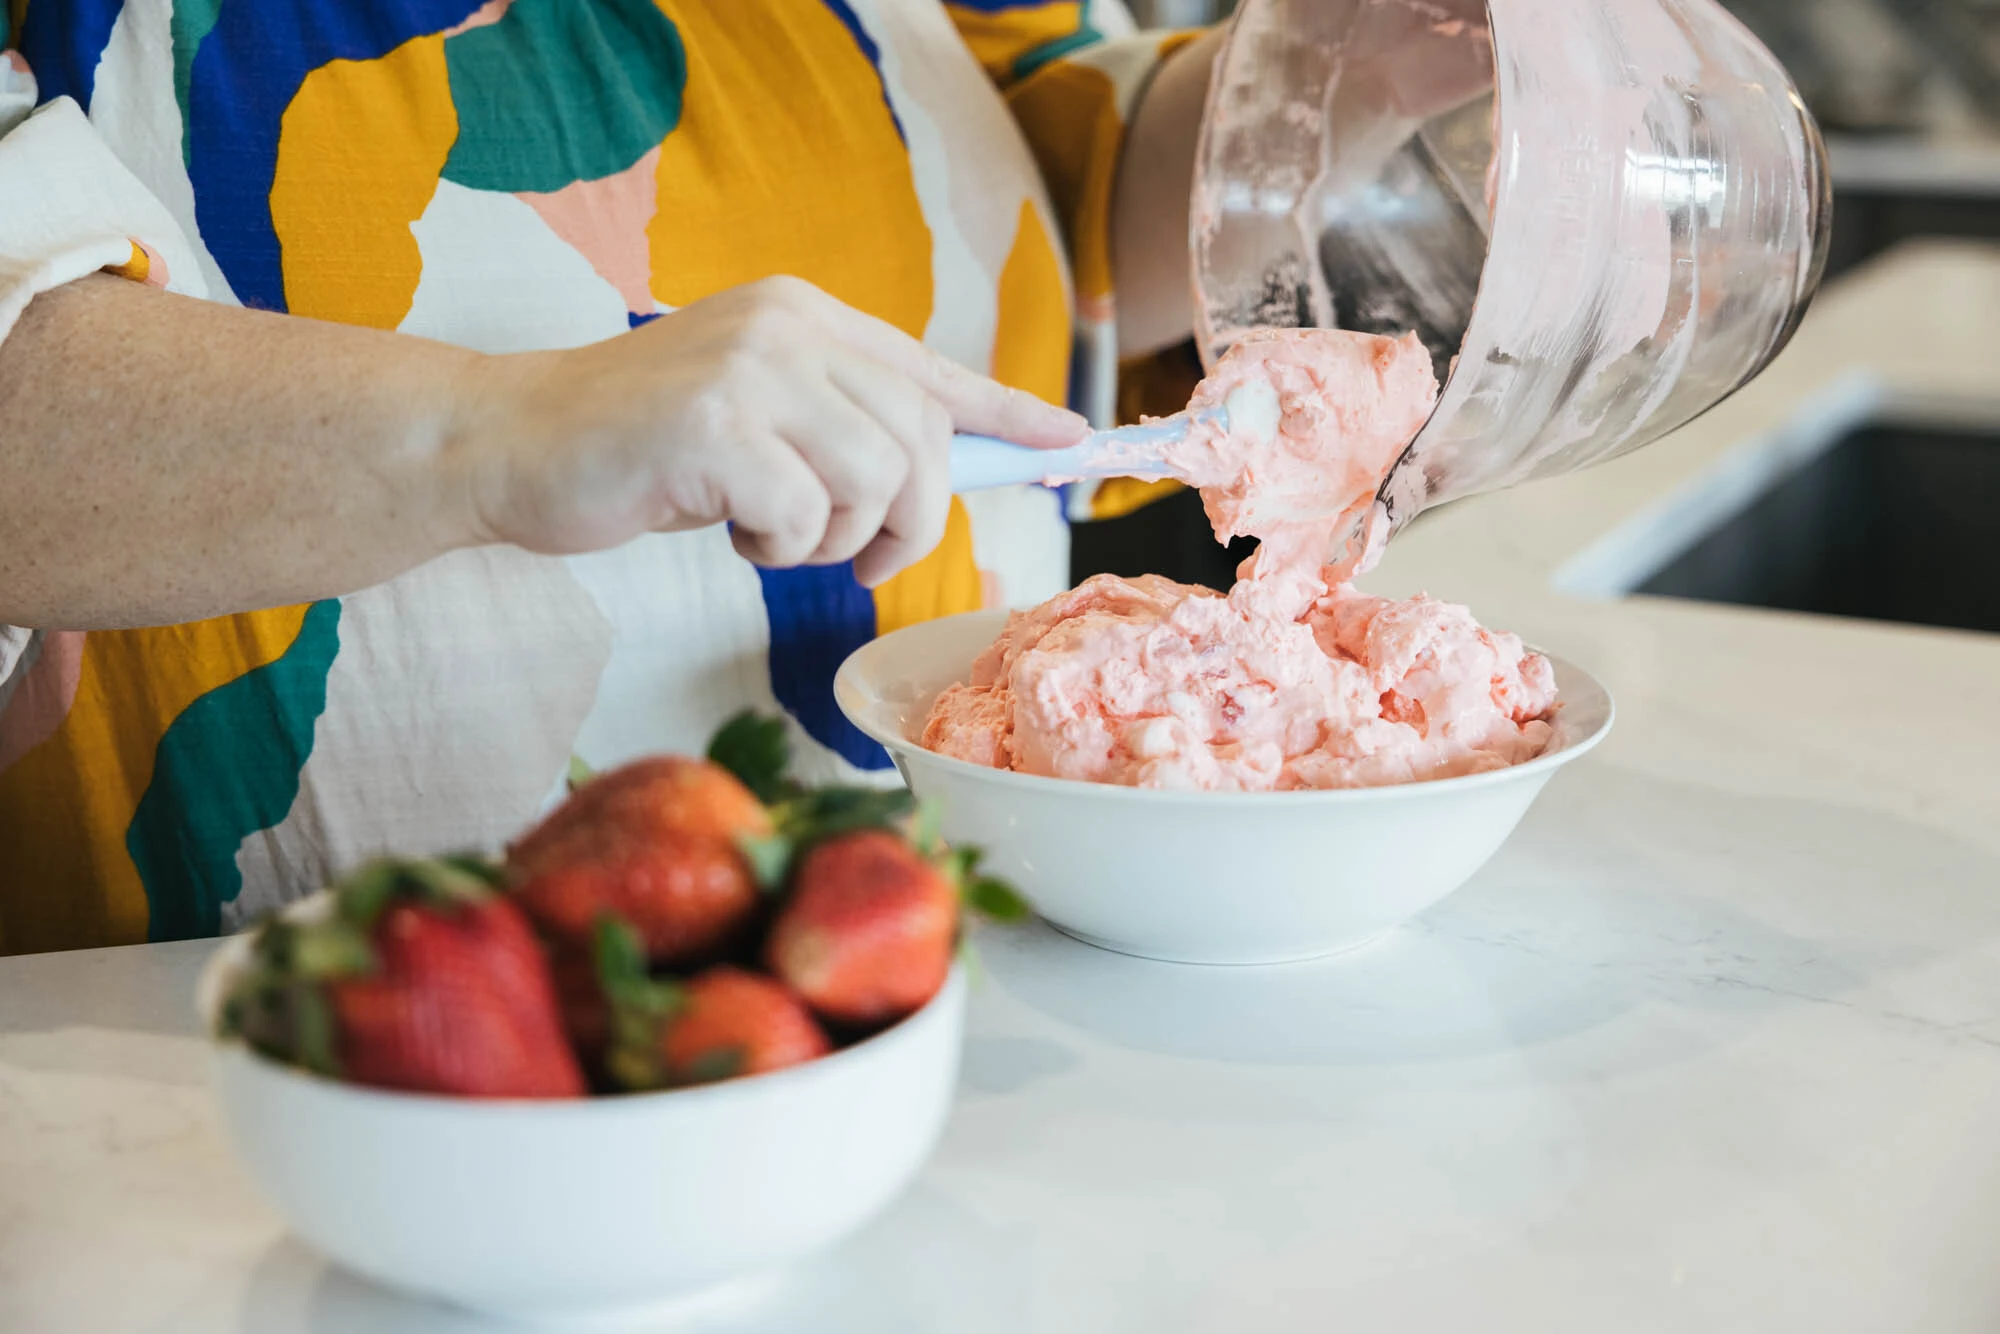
(1713, 1045)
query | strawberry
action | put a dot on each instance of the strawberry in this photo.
(867, 935)
(736, 1022)
(424, 978)
(722, 1023)
(586, 1016)
(660, 843)
(756, 750)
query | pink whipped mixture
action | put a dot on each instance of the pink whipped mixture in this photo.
(1294, 679)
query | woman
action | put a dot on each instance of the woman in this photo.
(633, 333)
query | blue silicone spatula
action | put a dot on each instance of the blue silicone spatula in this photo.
(982, 461)
(979, 462)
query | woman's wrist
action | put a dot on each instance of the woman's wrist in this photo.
(474, 441)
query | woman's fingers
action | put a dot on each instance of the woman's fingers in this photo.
(914, 520)
(857, 458)
(850, 422)
(778, 504)
(974, 402)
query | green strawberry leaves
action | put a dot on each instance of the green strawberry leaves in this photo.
(279, 1005)
(362, 897)
(285, 1020)
(770, 859)
(622, 972)
(713, 1066)
(756, 749)
(319, 951)
(989, 896)
(827, 812)
(815, 815)
(927, 829)
(996, 900)
(641, 1006)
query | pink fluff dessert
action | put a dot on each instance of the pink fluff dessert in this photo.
(1293, 680)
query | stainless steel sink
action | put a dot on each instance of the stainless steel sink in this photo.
(1890, 523)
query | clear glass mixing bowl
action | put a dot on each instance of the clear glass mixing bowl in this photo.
(1603, 218)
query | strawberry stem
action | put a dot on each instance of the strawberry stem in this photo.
(827, 811)
(989, 896)
(713, 1066)
(362, 897)
(757, 750)
(926, 829)
(996, 900)
(640, 1006)
(770, 859)
(279, 1007)
(312, 1031)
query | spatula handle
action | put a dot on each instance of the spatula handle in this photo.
(979, 462)
(982, 461)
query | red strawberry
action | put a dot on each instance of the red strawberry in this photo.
(659, 844)
(586, 1016)
(735, 1022)
(424, 978)
(867, 935)
(722, 1023)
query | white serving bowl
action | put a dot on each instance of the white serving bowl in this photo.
(594, 1212)
(1202, 877)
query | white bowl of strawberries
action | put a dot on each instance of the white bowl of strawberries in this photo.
(687, 1031)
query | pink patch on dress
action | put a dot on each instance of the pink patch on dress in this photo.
(605, 221)
(15, 61)
(486, 15)
(43, 697)
(156, 266)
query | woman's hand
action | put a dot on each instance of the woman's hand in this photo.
(166, 459)
(820, 433)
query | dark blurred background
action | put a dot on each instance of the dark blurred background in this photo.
(1908, 93)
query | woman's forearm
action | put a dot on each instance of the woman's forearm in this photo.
(164, 459)
(1149, 222)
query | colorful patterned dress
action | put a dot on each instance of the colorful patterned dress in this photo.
(510, 176)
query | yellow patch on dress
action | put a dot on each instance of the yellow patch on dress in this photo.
(943, 583)
(1069, 113)
(359, 152)
(65, 806)
(818, 186)
(1116, 497)
(1031, 334)
(999, 40)
(138, 268)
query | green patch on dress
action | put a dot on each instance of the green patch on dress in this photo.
(228, 767)
(1085, 35)
(192, 20)
(559, 91)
